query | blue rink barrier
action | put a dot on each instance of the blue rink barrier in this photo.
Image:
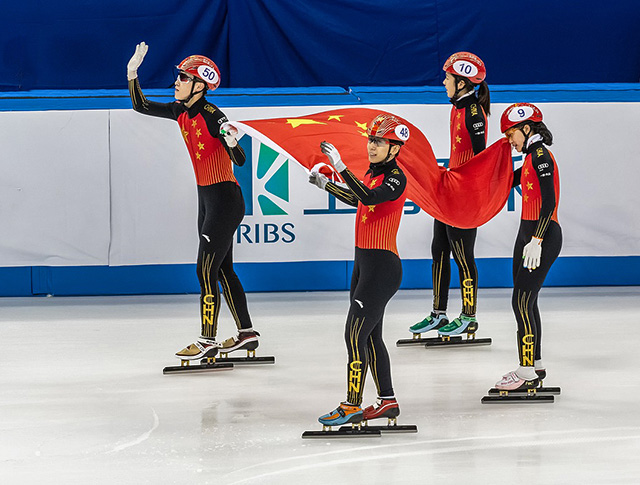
(298, 276)
(44, 100)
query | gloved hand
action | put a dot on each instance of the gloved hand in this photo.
(136, 60)
(333, 155)
(531, 253)
(230, 134)
(316, 178)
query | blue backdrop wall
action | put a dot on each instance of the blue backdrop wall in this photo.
(272, 43)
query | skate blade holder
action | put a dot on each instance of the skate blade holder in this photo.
(391, 427)
(529, 396)
(208, 364)
(355, 430)
(249, 359)
(553, 391)
(457, 341)
(418, 340)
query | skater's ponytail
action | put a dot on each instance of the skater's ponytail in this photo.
(484, 97)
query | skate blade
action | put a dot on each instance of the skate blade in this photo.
(265, 359)
(392, 428)
(192, 369)
(348, 432)
(555, 391)
(406, 342)
(526, 399)
(457, 341)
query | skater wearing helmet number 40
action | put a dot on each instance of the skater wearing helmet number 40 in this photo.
(377, 270)
(464, 72)
(213, 147)
(539, 238)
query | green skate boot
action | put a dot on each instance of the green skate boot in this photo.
(462, 324)
(431, 322)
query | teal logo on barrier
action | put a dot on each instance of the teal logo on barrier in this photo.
(272, 173)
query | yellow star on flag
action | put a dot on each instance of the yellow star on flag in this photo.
(458, 126)
(364, 218)
(335, 117)
(458, 139)
(526, 198)
(458, 116)
(194, 123)
(526, 171)
(198, 155)
(200, 146)
(198, 132)
(372, 208)
(362, 126)
(294, 122)
(529, 186)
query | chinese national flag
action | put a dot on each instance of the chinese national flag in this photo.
(464, 197)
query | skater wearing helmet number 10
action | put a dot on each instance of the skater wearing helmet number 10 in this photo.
(463, 73)
(213, 146)
(539, 238)
(377, 270)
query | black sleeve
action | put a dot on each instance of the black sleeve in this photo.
(342, 192)
(215, 118)
(144, 106)
(517, 174)
(544, 166)
(391, 188)
(476, 124)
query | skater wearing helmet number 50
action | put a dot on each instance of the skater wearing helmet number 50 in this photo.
(213, 147)
(464, 72)
(377, 270)
(539, 238)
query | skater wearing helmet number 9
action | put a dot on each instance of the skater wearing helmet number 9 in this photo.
(539, 238)
(377, 270)
(212, 145)
(463, 73)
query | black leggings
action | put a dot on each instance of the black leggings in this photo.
(376, 277)
(460, 242)
(220, 211)
(526, 286)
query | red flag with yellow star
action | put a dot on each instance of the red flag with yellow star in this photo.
(464, 197)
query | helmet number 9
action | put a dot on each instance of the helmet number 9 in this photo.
(521, 113)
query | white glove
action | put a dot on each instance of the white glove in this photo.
(230, 134)
(316, 178)
(136, 60)
(531, 254)
(333, 155)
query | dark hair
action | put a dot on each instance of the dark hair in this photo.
(484, 97)
(541, 129)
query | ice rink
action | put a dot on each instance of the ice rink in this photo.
(83, 398)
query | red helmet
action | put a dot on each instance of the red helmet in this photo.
(517, 113)
(467, 65)
(203, 68)
(388, 127)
